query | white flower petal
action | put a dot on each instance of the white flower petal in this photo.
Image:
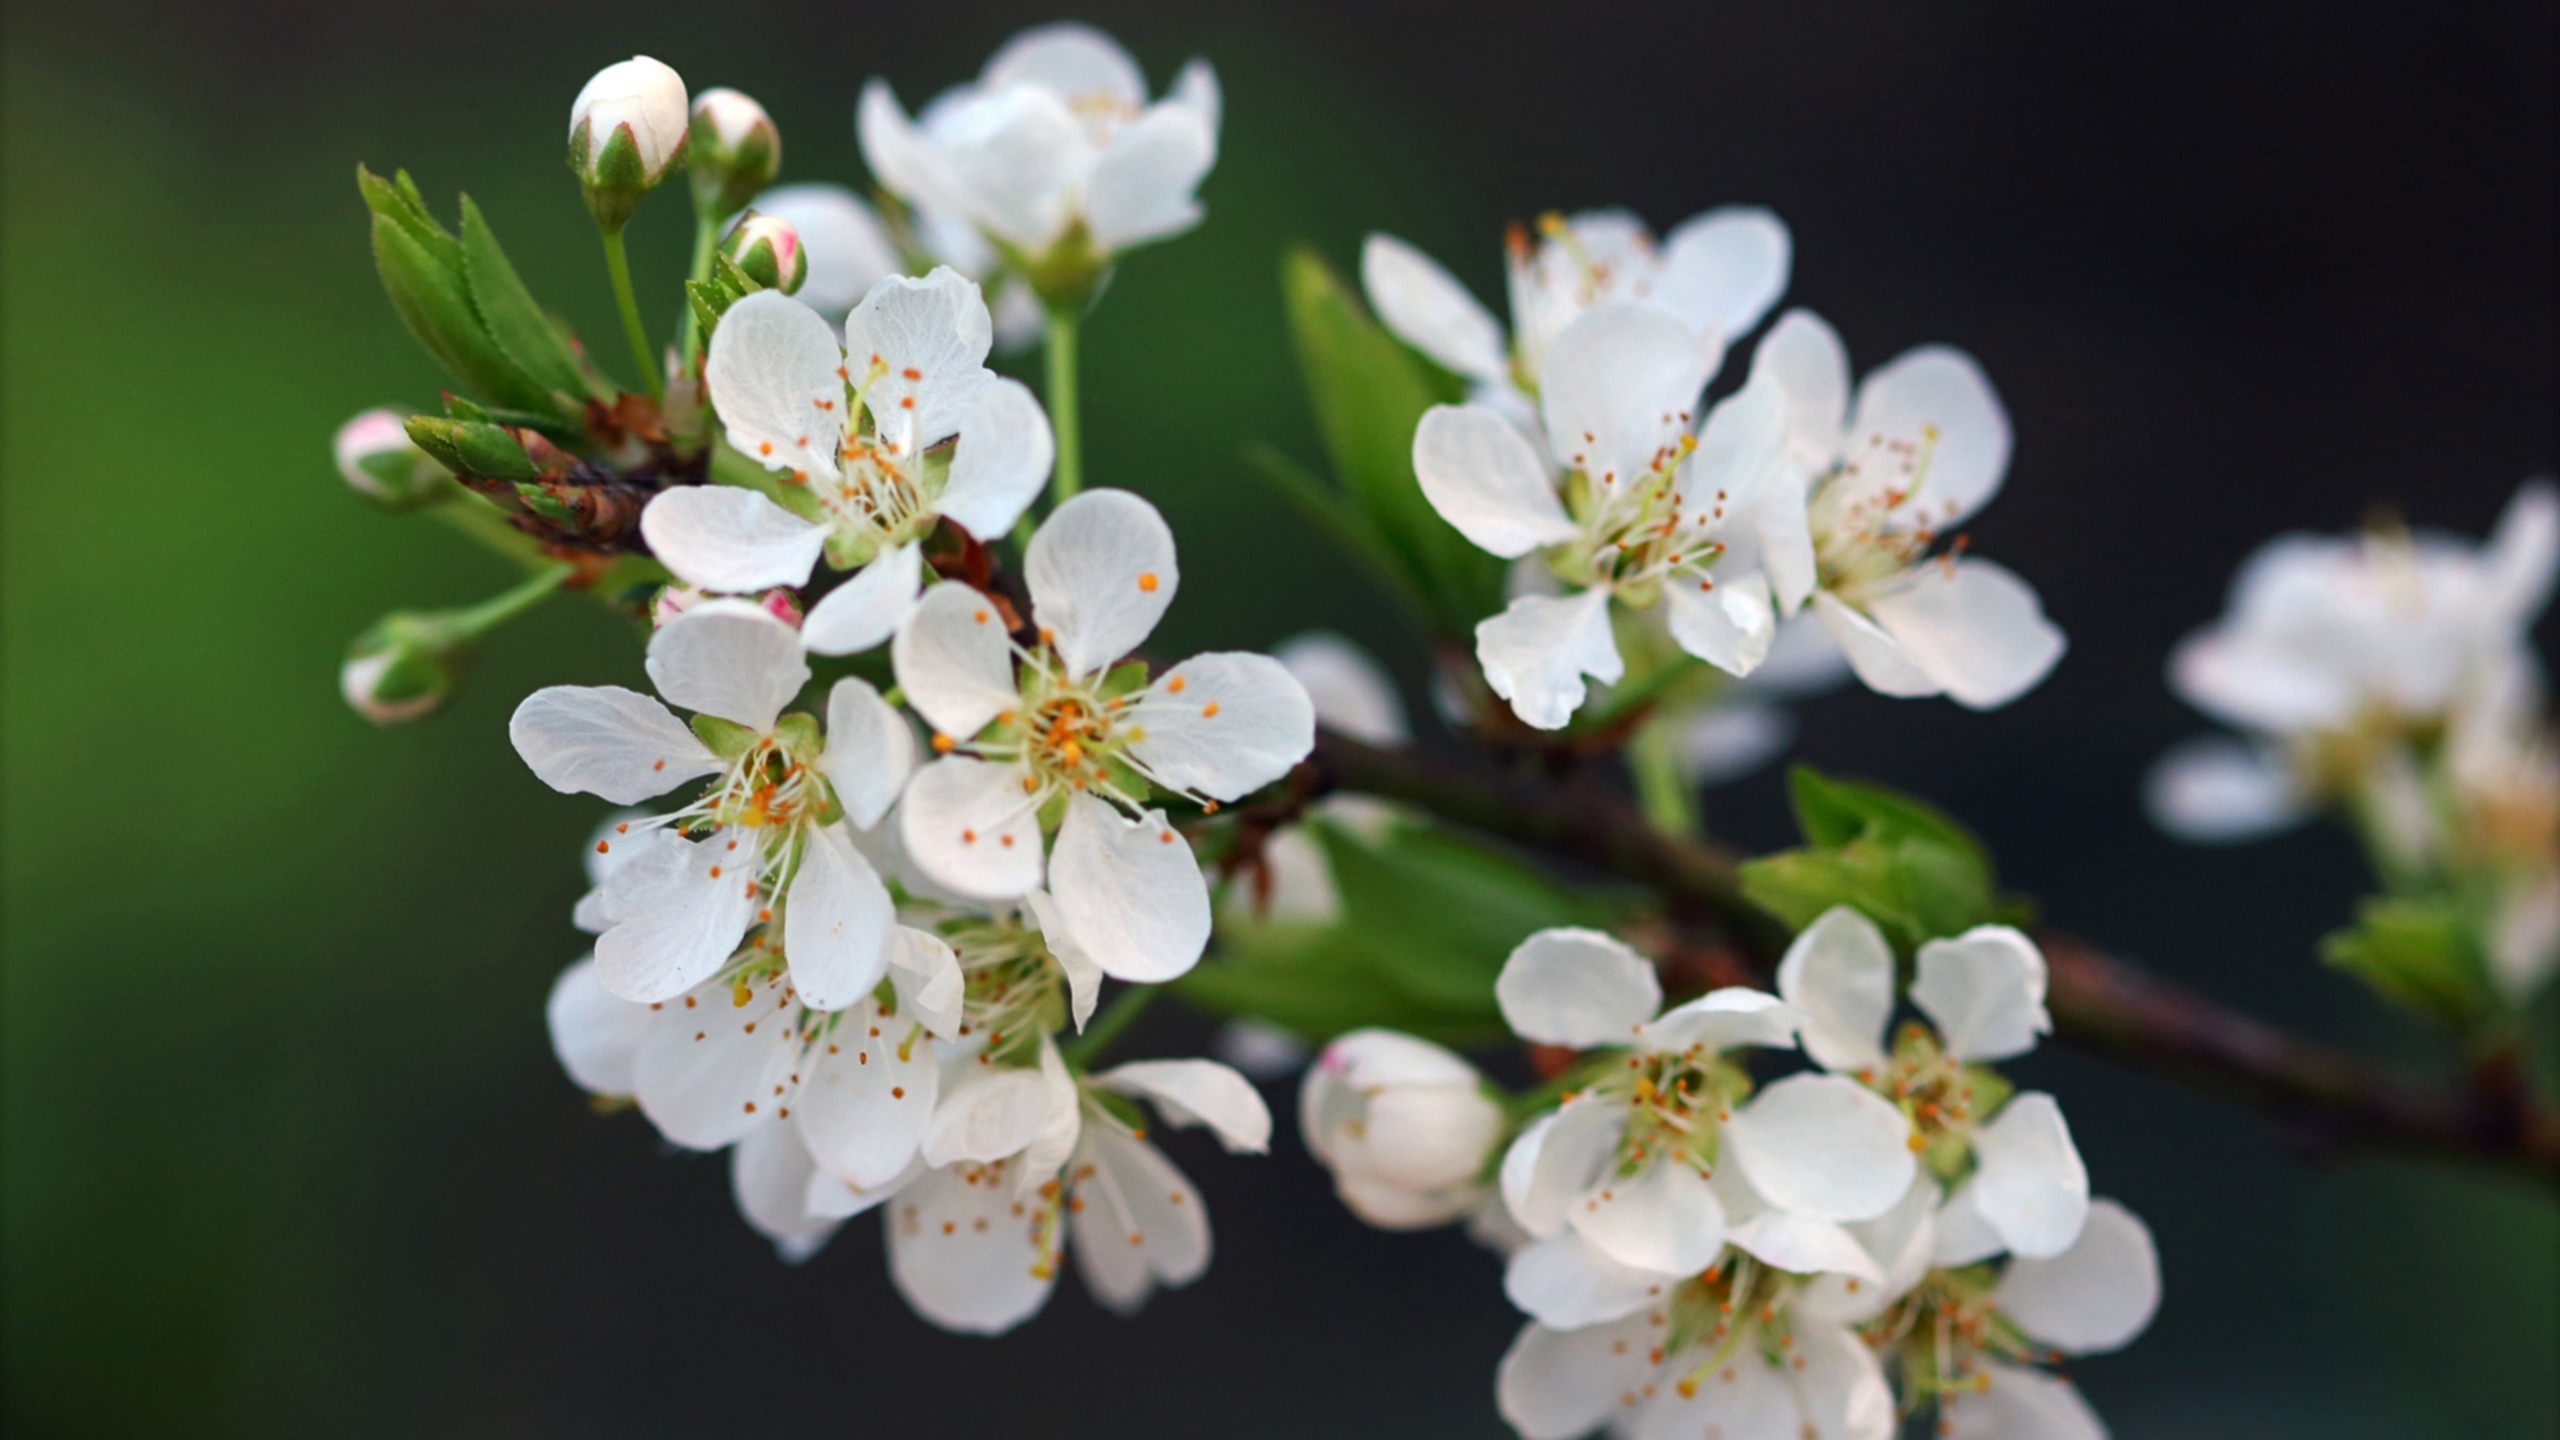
(1824, 1146)
(1141, 188)
(962, 1255)
(1558, 1384)
(684, 906)
(1939, 398)
(1876, 656)
(1010, 160)
(1568, 1159)
(1429, 310)
(1197, 87)
(1002, 460)
(594, 1031)
(1839, 972)
(900, 157)
(1721, 271)
(2217, 790)
(2017, 1403)
(1101, 572)
(1576, 987)
(1567, 1283)
(868, 1094)
(991, 1115)
(2095, 1296)
(1084, 977)
(1350, 690)
(925, 972)
(608, 741)
(1059, 1133)
(1729, 626)
(1073, 59)
(1130, 891)
(1392, 1207)
(836, 922)
(1783, 529)
(1806, 1246)
(1975, 629)
(769, 1174)
(1222, 725)
(1198, 1092)
(1805, 355)
(1960, 1235)
(1618, 387)
(1899, 1242)
(710, 1070)
(1536, 1210)
(868, 607)
(1138, 1224)
(2030, 1184)
(969, 826)
(1666, 1220)
(918, 350)
(1840, 1385)
(1537, 650)
(729, 658)
(720, 537)
(953, 661)
(2524, 554)
(1722, 1020)
(1984, 990)
(1484, 478)
(772, 370)
(836, 1198)
(870, 751)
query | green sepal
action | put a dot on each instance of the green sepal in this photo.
(1126, 678)
(1053, 811)
(798, 732)
(540, 501)
(472, 448)
(727, 738)
(515, 321)
(709, 303)
(1369, 393)
(2423, 954)
(1120, 1107)
(1119, 774)
(458, 408)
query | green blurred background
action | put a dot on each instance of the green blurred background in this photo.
(285, 1149)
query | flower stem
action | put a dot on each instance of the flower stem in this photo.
(1062, 407)
(706, 229)
(498, 609)
(1124, 1008)
(1654, 757)
(618, 265)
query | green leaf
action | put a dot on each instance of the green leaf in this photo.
(514, 321)
(1369, 393)
(402, 205)
(435, 301)
(2422, 954)
(472, 448)
(1833, 812)
(1914, 871)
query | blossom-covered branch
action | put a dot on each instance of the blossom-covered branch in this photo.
(2325, 1098)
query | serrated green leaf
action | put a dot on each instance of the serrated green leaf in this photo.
(1369, 394)
(435, 302)
(401, 205)
(515, 323)
(2422, 954)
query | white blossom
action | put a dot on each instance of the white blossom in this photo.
(767, 844)
(1056, 737)
(1879, 477)
(1666, 1153)
(1716, 274)
(850, 249)
(1620, 501)
(1055, 153)
(1406, 1127)
(875, 442)
(2021, 1186)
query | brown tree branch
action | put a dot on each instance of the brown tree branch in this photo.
(2325, 1098)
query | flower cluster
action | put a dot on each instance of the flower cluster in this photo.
(2391, 677)
(1585, 451)
(1704, 1251)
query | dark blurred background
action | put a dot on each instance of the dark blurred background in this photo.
(286, 1150)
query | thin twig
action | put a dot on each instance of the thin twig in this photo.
(2329, 1099)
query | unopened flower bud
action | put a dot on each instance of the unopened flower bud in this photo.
(768, 250)
(1405, 1126)
(402, 668)
(379, 462)
(736, 151)
(674, 600)
(627, 130)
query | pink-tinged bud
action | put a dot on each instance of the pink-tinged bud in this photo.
(627, 130)
(379, 462)
(735, 151)
(1405, 1126)
(674, 600)
(768, 251)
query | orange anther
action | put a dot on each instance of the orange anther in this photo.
(1147, 581)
